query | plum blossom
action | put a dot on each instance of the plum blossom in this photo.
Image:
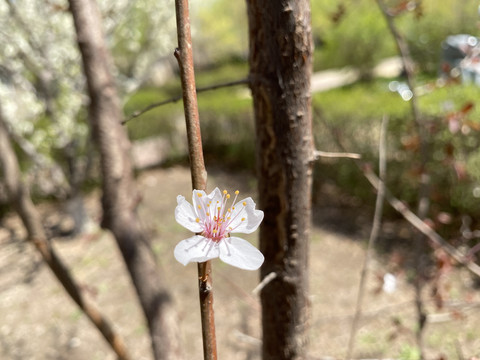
(214, 220)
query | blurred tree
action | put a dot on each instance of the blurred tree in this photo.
(120, 197)
(280, 70)
(41, 80)
(19, 196)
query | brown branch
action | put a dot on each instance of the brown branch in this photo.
(184, 56)
(376, 226)
(19, 196)
(175, 99)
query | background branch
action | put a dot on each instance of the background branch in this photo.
(19, 196)
(138, 113)
(376, 226)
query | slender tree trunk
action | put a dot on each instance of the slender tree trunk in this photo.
(280, 70)
(120, 197)
(19, 196)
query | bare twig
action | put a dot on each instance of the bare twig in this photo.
(175, 99)
(420, 225)
(267, 279)
(184, 55)
(373, 236)
(319, 154)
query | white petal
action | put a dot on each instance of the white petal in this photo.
(201, 202)
(251, 217)
(240, 253)
(186, 216)
(195, 249)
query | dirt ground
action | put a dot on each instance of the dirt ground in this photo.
(38, 320)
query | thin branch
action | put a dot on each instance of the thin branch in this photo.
(376, 226)
(420, 225)
(184, 56)
(175, 99)
(266, 280)
(327, 154)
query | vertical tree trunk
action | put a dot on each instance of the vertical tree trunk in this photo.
(120, 197)
(280, 70)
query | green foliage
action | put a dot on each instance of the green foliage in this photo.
(221, 30)
(359, 38)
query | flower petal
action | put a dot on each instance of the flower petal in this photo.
(196, 249)
(186, 216)
(240, 253)
(245, 219)
(202, 202)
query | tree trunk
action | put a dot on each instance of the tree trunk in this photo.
(120, 197)
(280, 70)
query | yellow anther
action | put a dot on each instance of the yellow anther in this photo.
(243, 219)
(237, 192)
(197, 220)
(225, 192)
(208, 214)
(219, 208)
(214, 231)
(199, 194)
(199, 206)
(233, 207)
(244, 203)
(228, 196)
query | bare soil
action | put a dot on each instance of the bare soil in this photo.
(39, 321)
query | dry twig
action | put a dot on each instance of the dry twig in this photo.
(175, 99)
(376, 226)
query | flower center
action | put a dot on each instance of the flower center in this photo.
(218, 217)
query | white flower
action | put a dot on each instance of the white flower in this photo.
(214, 221)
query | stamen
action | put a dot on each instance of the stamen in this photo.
(244, 203)
(197, 220)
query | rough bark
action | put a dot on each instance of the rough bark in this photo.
(120, 197)
(19, 196)
(280, 70)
